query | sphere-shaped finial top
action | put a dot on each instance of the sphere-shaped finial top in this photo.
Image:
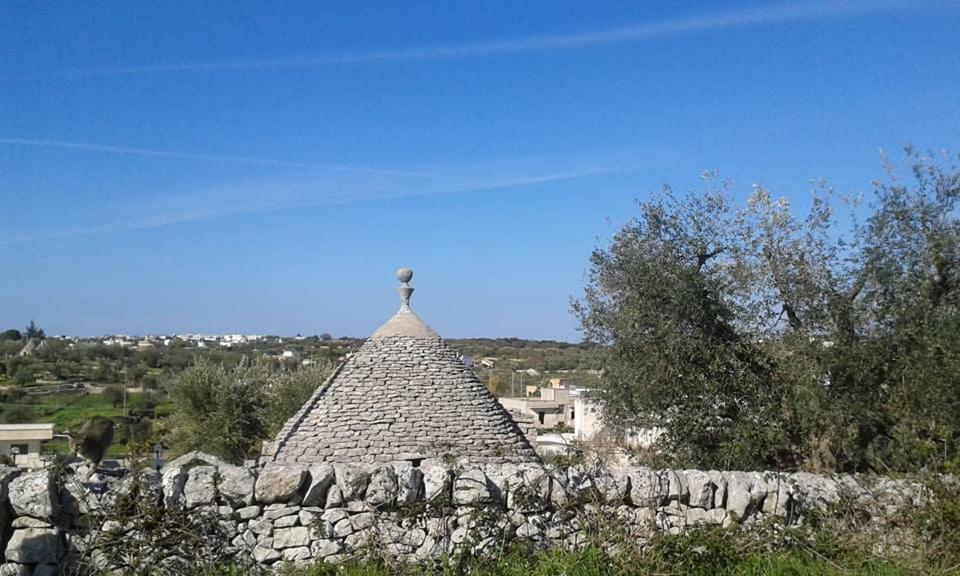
(405, 290)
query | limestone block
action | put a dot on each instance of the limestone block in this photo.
(815, 492)
(720, 488)
(35, 494)
(645, 488)
(471, 488)
(28, 522)
(323, 548)
(701, 517)
(280, 483)
(382, 488)
(264, 555)
(363, 520)
(236, 485)
(291, 537)
(275, 511)
(436, 483)
(334, 498)
(172, 482)
(409, 485)
(14, 569)
(248, 512)
(35, 546)
(701, 489)
(297, 554)
(613, 485)
(677, 487)
(334, 515)
(286, 522)
(739, 498)
(200, 487)
(352, 481)
(322, 477)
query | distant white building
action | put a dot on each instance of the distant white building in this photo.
(22, 442)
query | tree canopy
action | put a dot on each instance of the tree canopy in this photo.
(755, 336)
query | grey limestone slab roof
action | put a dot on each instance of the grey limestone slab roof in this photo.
(404, 395)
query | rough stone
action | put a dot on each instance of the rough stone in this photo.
(436, 483)
(35, 494)
(701, 489)
(291, 537)
(200, 487)
(409, 485)
(352, 481)
(645, 488)
(471, 488)
(323, 548)
(172, 482)
(248, 512)
(322, 477)
(280, 483)
(236, 485)
(382, 488)
(35, 546)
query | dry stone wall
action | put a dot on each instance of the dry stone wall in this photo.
(327, 513)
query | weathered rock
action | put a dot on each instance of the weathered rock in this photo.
(352, 481)
(409, 485)
(436, 483)
(248, 512)
(613, 486)
(382, 488)
(172, 481)
(701, 489)
(334, 498)
(35, 546)
(322, 477)
(236, 485)
(280, 483)
(471, 488)
(200, 487)
(28, 522)
(323, 548)
(676, 482)
(35, 494)
(645, 488)
(14, 569)
(291, 537)
(739, 498)
(265, 554)
(296, 554)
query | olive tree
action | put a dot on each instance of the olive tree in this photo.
(757, 336)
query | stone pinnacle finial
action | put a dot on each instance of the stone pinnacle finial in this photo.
(404, 275)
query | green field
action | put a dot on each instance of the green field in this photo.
(68, 412)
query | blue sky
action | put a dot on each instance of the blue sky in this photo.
(194, 167)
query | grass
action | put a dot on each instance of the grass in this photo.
(699, 553)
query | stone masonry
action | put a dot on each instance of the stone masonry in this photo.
(403, 396)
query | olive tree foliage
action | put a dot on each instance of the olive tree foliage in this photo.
(757, 336)
(229, 411)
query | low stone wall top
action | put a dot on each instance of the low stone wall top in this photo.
(327, 512)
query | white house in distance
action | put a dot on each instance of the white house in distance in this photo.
(22, 442)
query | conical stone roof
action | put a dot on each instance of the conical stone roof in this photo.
(404, 395)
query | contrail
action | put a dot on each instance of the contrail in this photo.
(227, 209)
(769, 14)
(87, 147)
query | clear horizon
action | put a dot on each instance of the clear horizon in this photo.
(195, 169)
